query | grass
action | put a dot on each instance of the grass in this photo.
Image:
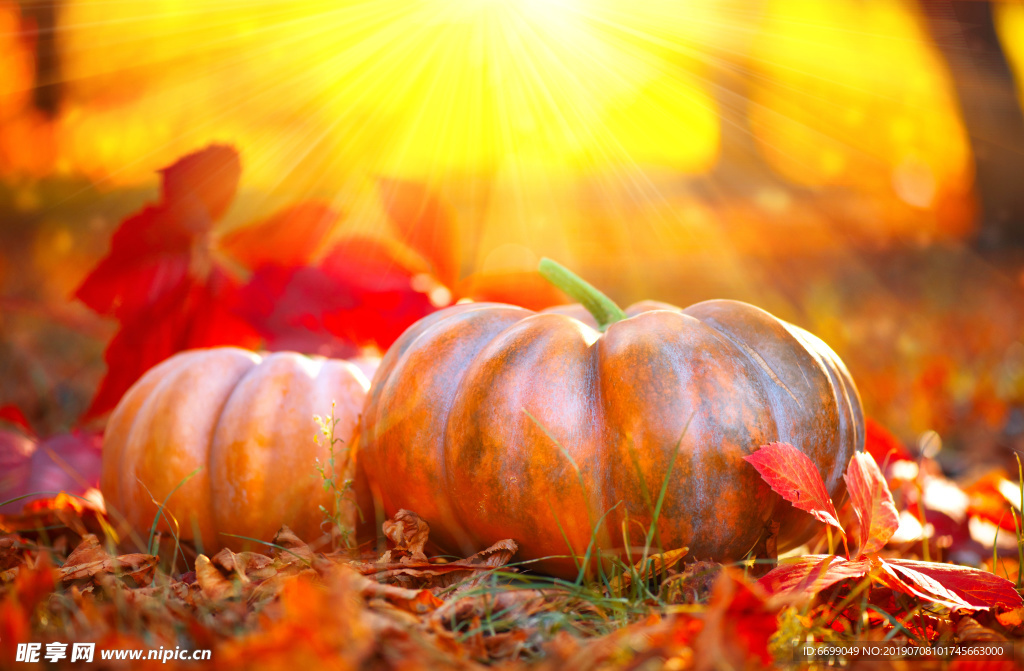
(341, 494)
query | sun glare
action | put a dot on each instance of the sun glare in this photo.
(414, 89)
(550, 120)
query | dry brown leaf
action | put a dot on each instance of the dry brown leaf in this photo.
(693, 585)
(437, 575)
(87, 552)
(519, 604)
(409, 532)
(248, 566)
(417, 601)
(294, 549)
(214, 585)
(646, 569)
(969, 630)
(90, 561)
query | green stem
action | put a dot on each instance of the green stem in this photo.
(604, 309)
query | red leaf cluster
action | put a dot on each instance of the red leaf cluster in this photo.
(158, 279)
(782, 467)
(174, 283)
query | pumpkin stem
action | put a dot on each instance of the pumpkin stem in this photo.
(604, 309)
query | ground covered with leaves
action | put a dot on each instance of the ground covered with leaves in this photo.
(290, 601)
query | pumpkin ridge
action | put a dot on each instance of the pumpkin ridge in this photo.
(267, 411)
(138, 444)
(110, 481)
(846, 405)
(703, 450)
(398, 384)
(519, 368)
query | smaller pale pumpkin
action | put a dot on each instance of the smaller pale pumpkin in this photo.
(227, 438)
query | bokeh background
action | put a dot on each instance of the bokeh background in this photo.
(854, 166)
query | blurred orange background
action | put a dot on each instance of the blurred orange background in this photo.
(848, 165)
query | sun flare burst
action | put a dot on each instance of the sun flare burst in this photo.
(548, 123)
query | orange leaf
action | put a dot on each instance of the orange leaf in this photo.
(288, 238)
(527, 289)
(426, 223)
(209, 175)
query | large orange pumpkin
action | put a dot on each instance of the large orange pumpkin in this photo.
(235, 431)
(553, 428)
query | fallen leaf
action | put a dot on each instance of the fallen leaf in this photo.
(974, 588)
(290, 548)
(1012, 618)
(90, 561)
(246, 565)
(409, 532)
(214, 585)
(646, 568)
(812, 574)
(738, 624)
(693, 585)
(969, 630)
(88, 551)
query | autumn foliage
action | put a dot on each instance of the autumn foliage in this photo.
(294, 280)
(907, 554)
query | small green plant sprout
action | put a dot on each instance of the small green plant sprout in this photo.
(335, 518)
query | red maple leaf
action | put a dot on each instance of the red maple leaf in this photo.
(813, 573)
(173, 283)
(785, 468)
(882, 445)
(358, 295)
(12, 414)
(738, 624)
(793, 476)
(872, 502)
(158, 279)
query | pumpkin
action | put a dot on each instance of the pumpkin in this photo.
(228, 439)
(561, 427)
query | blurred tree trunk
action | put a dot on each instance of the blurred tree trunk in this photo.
(965, 32)
(41, 16)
